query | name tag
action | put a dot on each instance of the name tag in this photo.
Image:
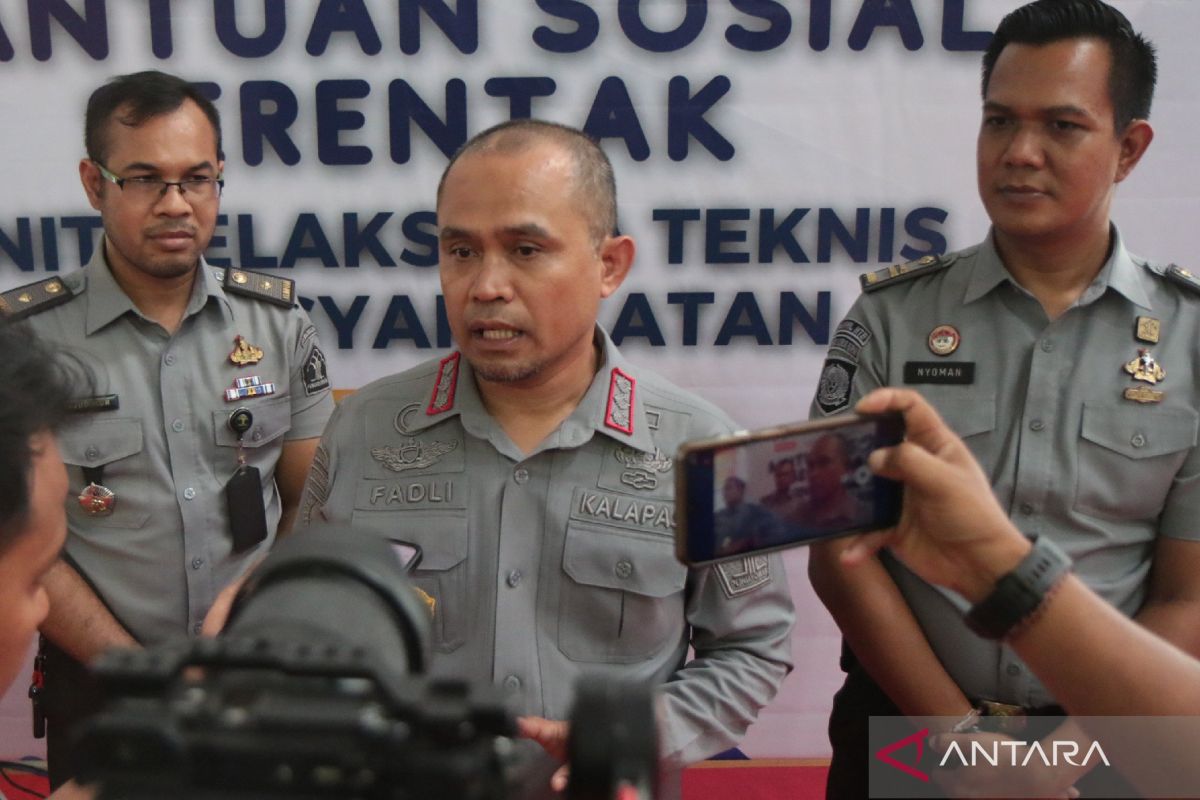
(961, 372)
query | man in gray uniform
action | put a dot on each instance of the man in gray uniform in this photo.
(1067, 364)
(211, 393)
(533, 465)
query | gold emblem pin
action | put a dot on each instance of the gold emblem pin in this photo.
(240, 278)
(53, 288)
(244, 353)
(1144, 394)
(24, 297)
(1147, 330)
(1145, 368)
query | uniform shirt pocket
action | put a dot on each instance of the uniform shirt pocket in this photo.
(622, 600)
(972, 415)
(272, 419)
(1128, 457)
(112, 446)
(442, 571)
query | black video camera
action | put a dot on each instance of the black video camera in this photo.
(315, 690)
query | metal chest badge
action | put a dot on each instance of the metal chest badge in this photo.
(97, 500)
(944, 340)
(244, 353)
(1145, 368)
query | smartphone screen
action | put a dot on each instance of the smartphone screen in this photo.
(782, 487)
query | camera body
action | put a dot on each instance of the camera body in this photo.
(315, 690)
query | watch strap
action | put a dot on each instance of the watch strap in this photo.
(1020, 593)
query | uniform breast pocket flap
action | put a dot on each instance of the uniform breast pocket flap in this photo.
(1128, 457)
(623, 597)
(109, 446)
(441, 574)
(272, 418)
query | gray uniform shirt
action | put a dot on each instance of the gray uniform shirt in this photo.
(159, 560)
(1042, 406)
(550, 565)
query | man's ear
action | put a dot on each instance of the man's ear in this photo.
(91, 179)
(1135, 141)
(616, 257)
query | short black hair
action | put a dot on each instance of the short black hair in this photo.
(138, 97)
(34, 398)
(594, 178)
(1134, 70)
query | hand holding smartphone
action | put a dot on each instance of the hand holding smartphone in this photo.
(780, 487)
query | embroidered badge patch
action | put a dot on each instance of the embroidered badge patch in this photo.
(316, 377)
(640, 467)
(849, 340)
(413, 454)
(833, 389)
(443, 389)
(619, 414)
(743, 576)
(316, 490)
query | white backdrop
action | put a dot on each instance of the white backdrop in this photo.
(767, 152)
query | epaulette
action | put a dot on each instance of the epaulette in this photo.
(897, 273)
(1177, 274)
(280, 291)
(25, 301)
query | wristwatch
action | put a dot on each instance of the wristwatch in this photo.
(1018, 595)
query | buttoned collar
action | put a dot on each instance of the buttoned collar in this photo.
(107, 300)
(1120, 273)
(612, 406)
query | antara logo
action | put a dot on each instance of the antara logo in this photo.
(977, 753)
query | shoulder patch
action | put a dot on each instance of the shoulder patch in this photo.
(743, 575)
(898, 273)
(835, 384)
(1183, 277)
(316, 375)
(269, 288)
(25, 301)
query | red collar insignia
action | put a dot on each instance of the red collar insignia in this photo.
(619, 414)
(442, 398)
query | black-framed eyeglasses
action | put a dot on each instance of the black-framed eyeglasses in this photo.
(150, 190)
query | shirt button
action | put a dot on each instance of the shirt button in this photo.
(92, 453)
(1138, 440)
(1047, 346)
(512, 683)
(257, 435)
(197, 563)
(1026, 508)
(196, 628)
(169, 359)
(624, 569)
(1013, 669)
(521, 475)
(1037, 425)
(514, 578)
(177, 426)
(189, 493)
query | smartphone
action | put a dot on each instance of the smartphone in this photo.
(758, 491)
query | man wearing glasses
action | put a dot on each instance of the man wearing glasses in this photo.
(210, 393)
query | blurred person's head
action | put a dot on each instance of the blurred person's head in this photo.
(784, 471)
(828, 462)
(33, 486)
(733, 491)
